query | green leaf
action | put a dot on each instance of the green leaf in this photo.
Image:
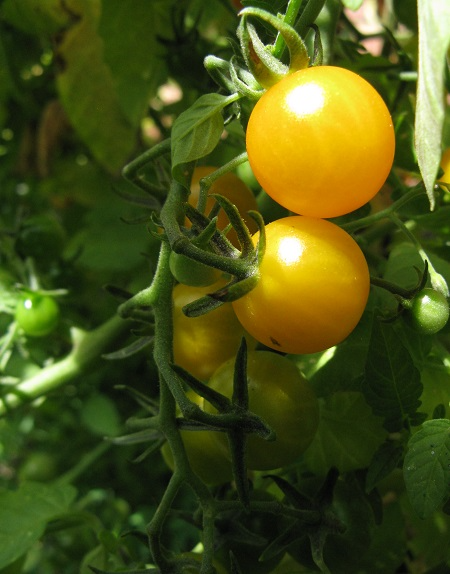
(25, 513)
(101, 416)
(427, 467)
(387, 550)
(391, 384)
(88, 93)
(333, 371)
(434, 40)
(197, 130)
(36, 16)
(133, 53)
(386, 459)
(348, 435)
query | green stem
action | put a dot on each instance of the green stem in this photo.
(352, 226)
(87, 348)
(84, 464)
(405, 294)
(309, 15)
(289, 17)
(437, 280)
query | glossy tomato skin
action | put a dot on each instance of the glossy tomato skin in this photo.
(283, 398)
(203, 343)
(321, 141)
(313, 287)
(429, 312)
(37, 315)
(231, 187)
(207, 461)
(445, 165)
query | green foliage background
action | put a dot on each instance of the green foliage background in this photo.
(85, 87)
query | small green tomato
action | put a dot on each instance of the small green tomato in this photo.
(37, 315)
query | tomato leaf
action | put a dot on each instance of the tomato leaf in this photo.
(434, 39)
(135, 32)
(348, 434)
(427, 467)
(391, 383)
(197, 130)
(35, 16)
(333, 371)
(385, 460)
(85, 83)
(25, 513)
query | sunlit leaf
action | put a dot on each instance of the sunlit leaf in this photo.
(434, 40)
(135, 32)
(197, 130)
(88, 93)
(348, 434)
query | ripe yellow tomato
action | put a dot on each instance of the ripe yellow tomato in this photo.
(313, 287)
(231, 187)
(321, 141)
(445, 165)
(203, 343)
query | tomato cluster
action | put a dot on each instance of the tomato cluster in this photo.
(321, 144)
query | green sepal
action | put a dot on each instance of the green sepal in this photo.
(267, 69)
(242, 232)
(235, 290)
(317, 59)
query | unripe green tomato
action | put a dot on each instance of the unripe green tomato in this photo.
(429, 312)
(37, 315)
(282, 397)
(190, 272)
(207, 461)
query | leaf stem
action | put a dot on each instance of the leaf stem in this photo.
(87, 348)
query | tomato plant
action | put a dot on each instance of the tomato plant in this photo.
(429, 311)
(207, 461)
(283, 398)
(231, 187)
(203, 343)
(321, 141)
(108, 118)
(312, 290)
(37, 315)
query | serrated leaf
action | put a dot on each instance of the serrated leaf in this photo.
(385, 460)
(333, 371)
(427, 467)
(391, 383)
(197, 130)
(348, 434)
(125, 32)
(434, 40)
(87, 91)
(25, 513)
(36, 16)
